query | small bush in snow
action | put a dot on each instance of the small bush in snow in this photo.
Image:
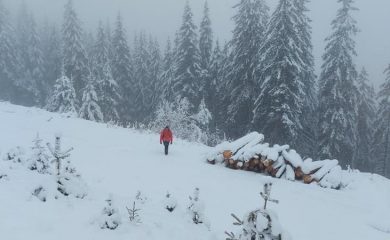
(41, 193)
(39, 161)
(140, 198)
(16, 155)
(170, 202)
(110, 216)
(196, 208)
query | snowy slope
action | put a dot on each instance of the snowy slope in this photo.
(121, 161)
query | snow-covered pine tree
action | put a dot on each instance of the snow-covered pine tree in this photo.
(307, 143)
(39, 161)
(196, 208)
(155, 72)
(8, 58)
(381, 146)
(202, 120)
(69, 182)
(186, 83)
(337, 93)
(110, 216)
(90, 109)
(30, 58)
(170, 202)
(122, 71)
(212, 96)
(74, 54)
(259, 224)
(205, 48)
(145, 77)
(365, 119)
(52, 58)
(168, 73)
(242, 84)
(63, 98)
(107, 87)
(278, 108)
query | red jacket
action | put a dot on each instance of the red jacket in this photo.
(166, 135)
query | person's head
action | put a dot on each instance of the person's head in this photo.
(167, 127)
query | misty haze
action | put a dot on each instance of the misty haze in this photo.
(165, 119)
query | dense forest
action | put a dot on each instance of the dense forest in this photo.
(263, 79)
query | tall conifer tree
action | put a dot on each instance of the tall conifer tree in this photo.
(381, 146)
(74, 54)
(242, 84)
(279, 107)
(366, 116)
(187, 83)
(337, 97)
(122, 71)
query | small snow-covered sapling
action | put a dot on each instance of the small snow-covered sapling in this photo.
(58, 154)
(266, 195)
(111, 218)
(196, 207)
(133, 214)
(170, 202)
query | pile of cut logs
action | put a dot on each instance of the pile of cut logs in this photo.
(251, 154)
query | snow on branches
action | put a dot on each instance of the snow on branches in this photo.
(260, 223)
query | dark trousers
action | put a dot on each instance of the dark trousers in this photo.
(166, 145)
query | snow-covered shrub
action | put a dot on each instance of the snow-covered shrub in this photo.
(186, 126)
(41, 193)
(196, 208)
(70, 182)
(16, 155)
(133, 212)
(170, 202)
(140, 198)
(40, 159)
(110, 216)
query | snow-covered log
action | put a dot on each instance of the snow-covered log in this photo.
(251, 153)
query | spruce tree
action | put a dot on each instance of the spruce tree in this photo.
(242, 84)
(122, 71)
(8, 58)
(381, 146)
(168, 73)
(307, 143)
(35, 66)
(366, 114)
(279, 107)
(144, 79)
(26, 83)
(156, 69)
(205, 47)
(337, 97)
(74, 54)
(186, 83)
(52, 58)
(90, 109)
(63, 98)
(108, 88)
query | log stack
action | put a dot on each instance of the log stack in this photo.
(250, 153)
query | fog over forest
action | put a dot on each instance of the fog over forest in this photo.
(163, 17)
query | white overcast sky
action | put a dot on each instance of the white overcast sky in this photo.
(163, 17)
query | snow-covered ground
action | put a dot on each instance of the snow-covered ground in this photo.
(120, 162)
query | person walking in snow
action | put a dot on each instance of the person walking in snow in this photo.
(166, 137)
